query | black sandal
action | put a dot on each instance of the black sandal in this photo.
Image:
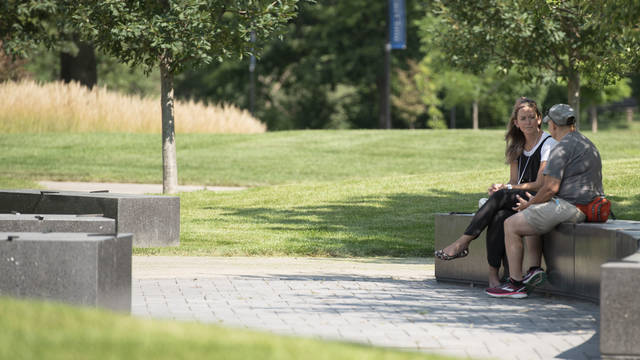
(440, 254)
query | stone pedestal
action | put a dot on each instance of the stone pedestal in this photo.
(56, 223)
(76, 268)
(620, 309)
(153, 219)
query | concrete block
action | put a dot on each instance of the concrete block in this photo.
(473, 268)
(22, 201)
(595, 245)
(620, 309)
(56, 223)
(572, 254)
(76, 268)
(558, 248)
(153, 219)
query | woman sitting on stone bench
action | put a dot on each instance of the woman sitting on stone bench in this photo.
(527, 151)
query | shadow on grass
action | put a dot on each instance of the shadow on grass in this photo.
(396, 225)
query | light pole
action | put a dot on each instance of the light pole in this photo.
(387, 85)
(396, 39)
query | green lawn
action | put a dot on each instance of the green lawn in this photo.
(256, 159)
(315, 193)
(36, 330)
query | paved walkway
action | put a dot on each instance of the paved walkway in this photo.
(384, 302)
(125, 188)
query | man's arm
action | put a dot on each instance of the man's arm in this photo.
(549, 188)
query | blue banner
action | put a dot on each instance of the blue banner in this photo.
(397, 24)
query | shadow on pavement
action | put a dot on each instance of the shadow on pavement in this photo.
(453, 305)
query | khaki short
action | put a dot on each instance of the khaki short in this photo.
(544, 217)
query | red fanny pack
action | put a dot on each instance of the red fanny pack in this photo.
(598, 210)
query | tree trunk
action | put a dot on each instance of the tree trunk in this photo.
(475, 115)
(382, 119)
(593, 113)
(387, 86)
(452, 121)
(81, 67)
(629, 115)
(574, 93)
(169, 160)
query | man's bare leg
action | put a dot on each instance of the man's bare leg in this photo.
(515, 227)
(533, 244)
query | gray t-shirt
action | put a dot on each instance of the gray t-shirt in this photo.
(576, 162)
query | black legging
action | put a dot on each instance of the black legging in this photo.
(492, 215)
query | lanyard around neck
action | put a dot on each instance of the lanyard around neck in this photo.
(528, 158)
(523, 170)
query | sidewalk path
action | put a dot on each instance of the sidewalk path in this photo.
(124, 188)
(384, 302)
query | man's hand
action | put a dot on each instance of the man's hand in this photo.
(522, 203)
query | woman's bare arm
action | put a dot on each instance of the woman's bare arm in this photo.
(513, 178)
(535, 185)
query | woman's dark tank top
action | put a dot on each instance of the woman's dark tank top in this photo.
(528, 166)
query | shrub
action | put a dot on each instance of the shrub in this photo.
(57, 107)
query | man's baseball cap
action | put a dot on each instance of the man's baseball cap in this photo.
(561, 114)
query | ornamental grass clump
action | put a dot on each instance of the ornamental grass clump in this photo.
(30, 107)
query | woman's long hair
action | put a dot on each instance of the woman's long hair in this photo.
(514, 137)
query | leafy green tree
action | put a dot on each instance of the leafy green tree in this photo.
(592, 97)
(169, 34)
(329, 72)
(22, 25)
(173, 35)
(25, 26)
(416, 93)
(486, 93)
(11, 69)
(572, 39)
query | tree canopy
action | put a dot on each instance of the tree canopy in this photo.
(570, 38)
(462, 57)
(183, 32)
(331, 65)
(24, 24)
(171, 34)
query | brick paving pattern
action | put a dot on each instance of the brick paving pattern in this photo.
(391, 303)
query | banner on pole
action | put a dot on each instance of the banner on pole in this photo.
(397, 24)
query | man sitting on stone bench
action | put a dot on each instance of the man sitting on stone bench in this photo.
(573, 176)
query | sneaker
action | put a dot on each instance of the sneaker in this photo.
(534, 277)
(508, 289)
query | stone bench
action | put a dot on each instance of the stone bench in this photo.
(588, 260)
(47, 223)
(153, 219)
(572, 254)
(620, 308)
(76, 268)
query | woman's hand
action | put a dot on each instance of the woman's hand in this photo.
(522, 203)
